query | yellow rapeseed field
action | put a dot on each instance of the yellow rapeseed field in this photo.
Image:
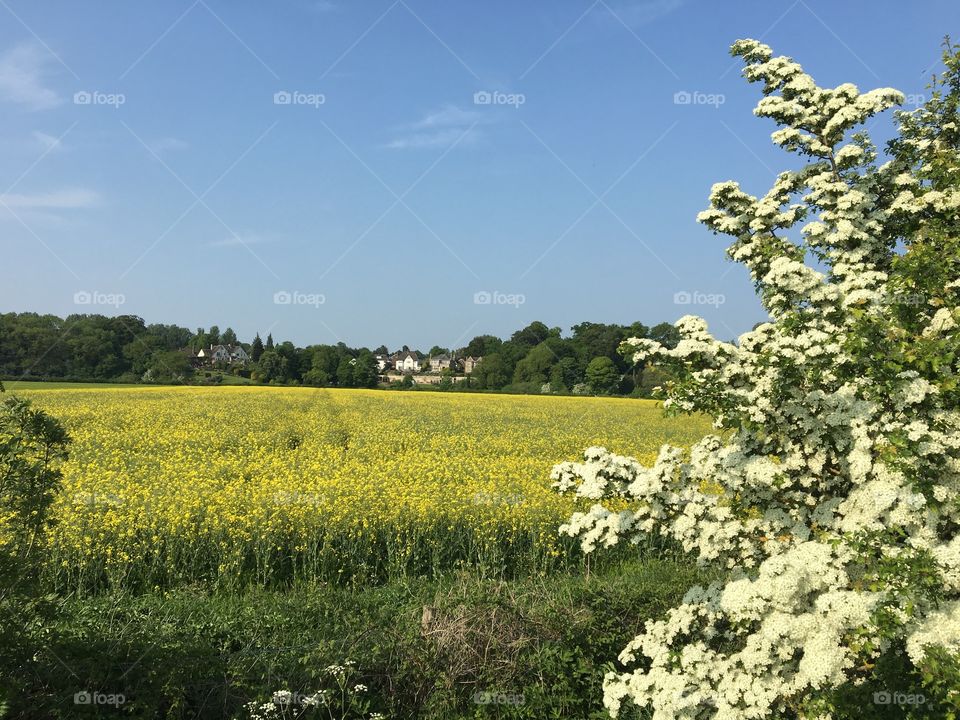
(259, 484)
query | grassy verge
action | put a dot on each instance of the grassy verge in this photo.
(12, 386)
(424, 649)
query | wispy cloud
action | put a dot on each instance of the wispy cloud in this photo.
(47, 143)
(441, 138)
(637, 13)
(58, 200)
(323, 6)
(439, 128)
(168, 144)
(239, 241)
(448, 116)
(22, 77)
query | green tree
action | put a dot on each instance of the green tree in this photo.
(229, 337)
(483, 345)
(345, 377)
(602, 375)
(492, 373)
(169, 366)
(256, 349)
(32, 445)
(592, 340)
(665, 334)
(535, 365)
(140, 351)
(533, 334)
(272, 367)
(199, 341)
(293, 357)
(564, 375)
(365, 370)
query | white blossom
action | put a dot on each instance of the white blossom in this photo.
(824, 446)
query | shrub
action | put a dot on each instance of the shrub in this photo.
(831, 498)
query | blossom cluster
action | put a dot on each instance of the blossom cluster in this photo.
(829, 493)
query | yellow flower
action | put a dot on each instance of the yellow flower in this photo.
(248, 484)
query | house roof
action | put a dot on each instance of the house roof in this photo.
(214, 349)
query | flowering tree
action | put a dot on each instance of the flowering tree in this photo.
(831, 494)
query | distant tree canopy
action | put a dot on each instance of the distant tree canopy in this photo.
(85, 347)
(124, 348)
(538, 355)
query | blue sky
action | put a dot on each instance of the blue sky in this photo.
(440, 170)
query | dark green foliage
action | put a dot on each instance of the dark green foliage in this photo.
(95, 347)
(187, 654)
(602, 375)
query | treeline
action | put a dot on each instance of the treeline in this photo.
(91, 347)
(536, 358)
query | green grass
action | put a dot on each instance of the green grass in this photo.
(24, 385)
(192, 654)
(17, 385)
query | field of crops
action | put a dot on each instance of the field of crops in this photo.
(166, 486)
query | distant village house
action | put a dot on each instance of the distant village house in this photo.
(440, 363)
(216, 354)
(407, 361)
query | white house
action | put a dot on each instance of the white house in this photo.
(407, 362)
(223, 354)
(470, 364)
